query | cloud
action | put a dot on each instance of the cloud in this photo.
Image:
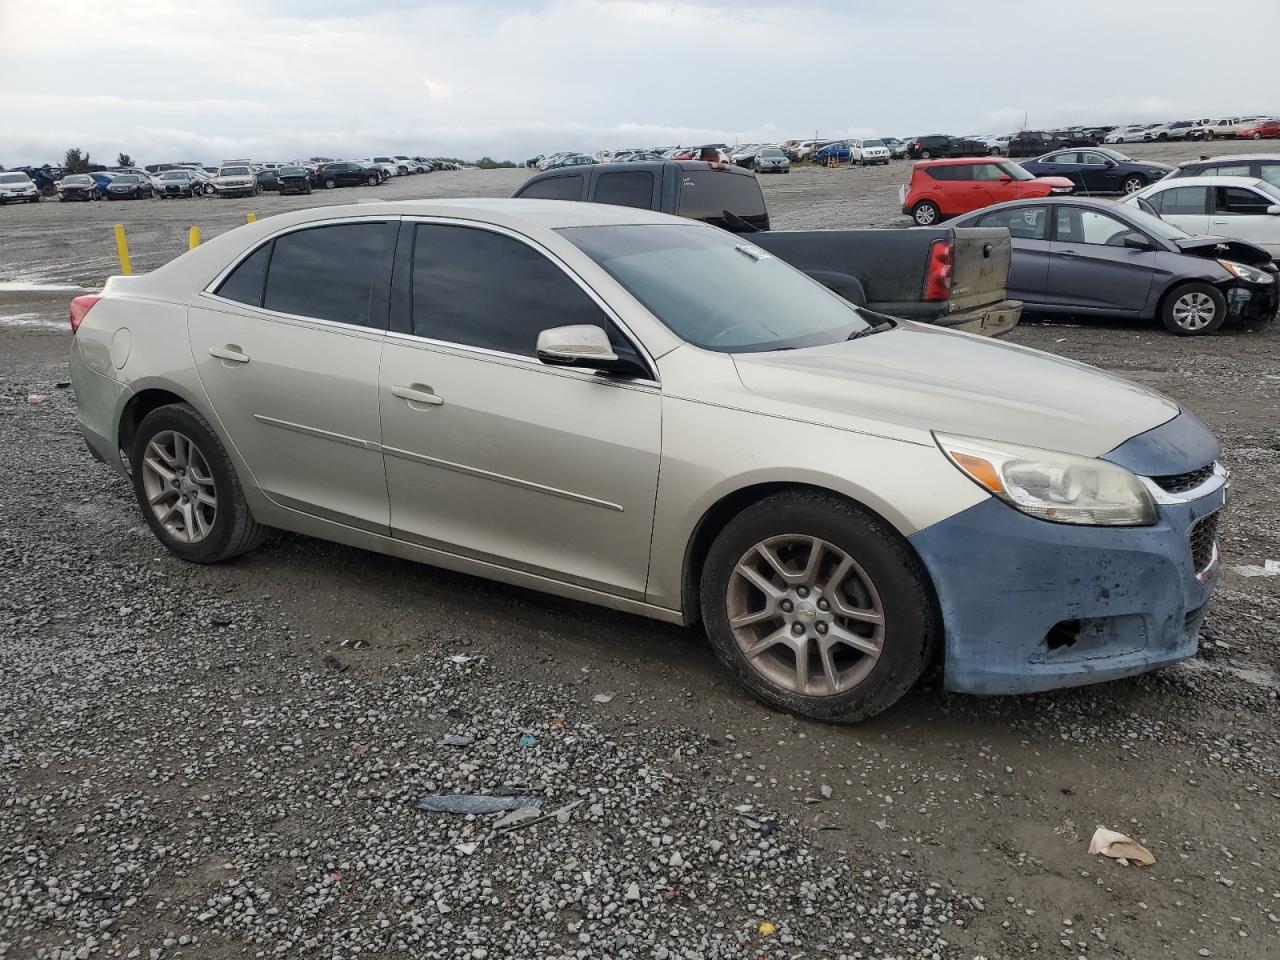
(438, 89)
(276, 80)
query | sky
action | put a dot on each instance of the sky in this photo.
(166, 80)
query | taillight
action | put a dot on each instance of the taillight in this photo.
(80, 306)
(937, 277)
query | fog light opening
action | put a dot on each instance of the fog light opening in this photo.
(1064, 634)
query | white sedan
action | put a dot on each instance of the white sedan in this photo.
(1242, 208)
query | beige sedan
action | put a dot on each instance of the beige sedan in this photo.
(651, 414)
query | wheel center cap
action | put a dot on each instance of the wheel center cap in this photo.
(806, 611)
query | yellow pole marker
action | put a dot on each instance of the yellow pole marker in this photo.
(122, 250)
(193, 238)
(250, 218)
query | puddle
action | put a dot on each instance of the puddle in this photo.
(33, 286)
(30, 320)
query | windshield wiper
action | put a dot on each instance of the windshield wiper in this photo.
(880, 327)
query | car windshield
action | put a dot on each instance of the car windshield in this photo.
(1014, 170)
(772, 152)
(14, 178)
(174, 175)
(1270, 189)
(717, 291)
(1151, 223)
(873, 143)
(76, 179)
(292, 172)
(126, 178)
(234, 172)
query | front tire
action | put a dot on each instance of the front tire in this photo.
(818, 606)
(1208, 134)
(926, 213)
(1257, 136)
(1133, 184)
(372, 181)
(188, 489)
(1193, 310)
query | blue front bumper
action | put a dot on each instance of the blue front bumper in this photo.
(1029, 605)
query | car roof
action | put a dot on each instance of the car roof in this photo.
(1099, 203)
(1231, 158)
(952, 161)
(1211, 182)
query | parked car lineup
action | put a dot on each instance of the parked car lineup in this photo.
(1086, 256)
(499, 404)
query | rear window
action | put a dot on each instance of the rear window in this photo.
(554, 188)
(718, 197)
(630, 188)
(951, 171)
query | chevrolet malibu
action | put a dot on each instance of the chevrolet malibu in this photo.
(651, 414)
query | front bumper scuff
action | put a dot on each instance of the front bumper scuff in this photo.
(1029, 605)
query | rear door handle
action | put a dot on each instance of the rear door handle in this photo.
(418, 394)
(1067, 253)
(230, 353)
(1222, 222)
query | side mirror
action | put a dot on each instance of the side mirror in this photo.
(1005, 178)
(1136, 241)
(582, 346)
(1274, 209)
(1111, 163)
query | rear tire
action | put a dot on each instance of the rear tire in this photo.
(330, 183)
(856, 593)
(372, 181)
(201, 471)
(1193, 309)
(926, 155)
(926, 213)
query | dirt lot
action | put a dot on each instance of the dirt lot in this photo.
(221, 762)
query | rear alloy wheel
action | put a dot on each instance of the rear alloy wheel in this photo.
(188, 489)
(926, 213)
(926, 155)
(1133, 184)
(818, 607)
(330, 183)
(1194, 309)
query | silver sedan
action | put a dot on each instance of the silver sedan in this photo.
(651, 414)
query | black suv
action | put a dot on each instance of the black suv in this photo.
(347, 173)
(1263, 165)
(936, 146)
(1033, 143)
(716, 193)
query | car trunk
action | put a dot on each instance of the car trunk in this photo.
(982, 256)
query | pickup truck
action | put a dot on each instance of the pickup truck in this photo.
(947, 276)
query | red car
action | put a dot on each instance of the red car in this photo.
(947, 188)
(1263, 129)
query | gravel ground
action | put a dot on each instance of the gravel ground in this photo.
(223, 762)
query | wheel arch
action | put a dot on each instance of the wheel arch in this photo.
(145, 399)
(716, 517)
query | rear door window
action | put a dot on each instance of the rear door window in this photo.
(1023, 223)
(626, 188)
(708, 194)
(328, 273)
(555, 188)
(1186, 201)
(1077, 225)
(1270, 172)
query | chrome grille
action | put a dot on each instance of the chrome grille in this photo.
(1182, 482)
(1203, 538)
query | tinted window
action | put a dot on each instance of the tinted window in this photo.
(708, 194)
(1069, 157)
(985, 171)
(634, 188)
(1270, 172)
(554, 188)
(244, 283)
(1239, 200)
(328, 272)
(1180, 200)
(1025, 223)
(1077, 225)
(482, 289)
(1093, 159)
(951, 171)
(1229, 170)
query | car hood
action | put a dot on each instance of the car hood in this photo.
(916, 378)
(1151, 165)
(1214, 247)
(1055, 181)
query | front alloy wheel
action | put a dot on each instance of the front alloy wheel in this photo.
(806, 614)
(1134, 184)
(818, 606)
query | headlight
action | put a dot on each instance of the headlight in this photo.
(1252, 274)
(1061, 189)
(1058, 487)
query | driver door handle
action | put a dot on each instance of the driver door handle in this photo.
(1067, 253)
(418, 394)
